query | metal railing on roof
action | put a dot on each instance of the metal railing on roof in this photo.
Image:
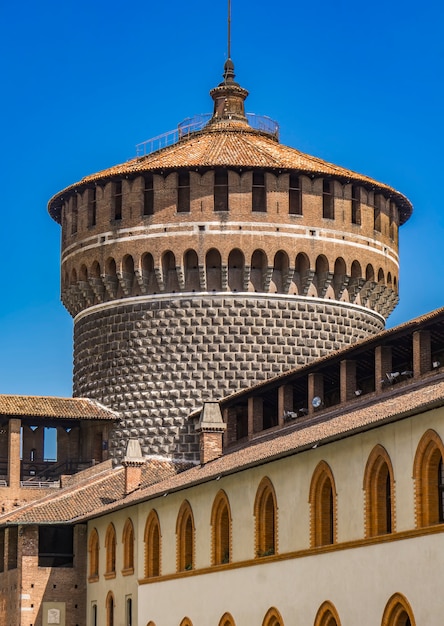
(193, 124)
(40, 484)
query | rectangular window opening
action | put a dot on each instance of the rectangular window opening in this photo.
(183, 192)
(259, 197)
(118, 200)
(74, 214)
(328, 206)
(56, 546)
(355, 205)
(148, 195)
(295, 196)
(12, 547)
(221, 190)
(92, 207)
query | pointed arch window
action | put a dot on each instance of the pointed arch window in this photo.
(93, 554)
(429, 480)
(227, 620)
(265, 512)
(273, 618)
(152, 545)
(327, 615)
(128, 548)
(221, 529)
(398, 612)
(379, 493)
(185, 538)
(322, 506)
(110, 549)
(110, 609)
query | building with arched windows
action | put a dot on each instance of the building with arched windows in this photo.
(270, 454)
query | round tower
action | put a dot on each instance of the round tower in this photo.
(215, 262)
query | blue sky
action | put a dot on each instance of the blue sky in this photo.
(359, 84)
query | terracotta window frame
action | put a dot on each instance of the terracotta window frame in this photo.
(221, 529)
(185, 538)
(186, 622)
(327, 615)
(429, 488)
(273, 618)
(227, 620)
(152, 539)
(93, 555)
(398, 612)
(323, 506)
(110, 606)
(266, 520)
(128, 548)
(110, 552)
(379, 493)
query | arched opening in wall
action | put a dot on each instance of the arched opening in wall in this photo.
(93, 556)
(258, 271)
(395, 283)
(389, 279)
(128, 274)
(169, 272)
(110, 548)
(398, 612)
(327, 615)
(279, 276)
(149, 279)
(185, 538)
(323, 277)
(129, 612)
(186, 622)
(221, 189)
(213, 267)
(95, 270)
(273, 618)
(356, 271)
(302, 275)
(340, 278)
(128, 547)
(221, 529)
(265, 513)
(73, 277)
(191, 263)
(152, 545)
(369, 273)
(236, 270)
(428, 472)
(227, 620)
(94, 615)
(83, 274)
(381, 277)
(110, 609)
(322, 506)
(110, 278)
(379, 493)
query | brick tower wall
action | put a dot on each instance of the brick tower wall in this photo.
(157, 359)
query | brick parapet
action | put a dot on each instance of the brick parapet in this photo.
(155, 360)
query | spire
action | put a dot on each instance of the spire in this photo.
(228, 96)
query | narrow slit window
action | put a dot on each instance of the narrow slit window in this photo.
(258, 192)
(377, 213)
(355, 205)
(148, 195)
(74, 214)
(117, 200)
(221, 190)
(328, 206)
(183, 192)
(92, 207)
(295, 196)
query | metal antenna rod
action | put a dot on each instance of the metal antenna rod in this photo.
(229, 29)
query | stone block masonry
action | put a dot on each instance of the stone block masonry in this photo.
(155, 360)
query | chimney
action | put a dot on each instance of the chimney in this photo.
(133, 463)
(211, 428)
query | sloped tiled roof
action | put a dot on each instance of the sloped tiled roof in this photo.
(231, 145)
(50, 406)
(91, 494)
(93, 498)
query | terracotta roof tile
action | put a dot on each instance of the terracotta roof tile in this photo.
(231, 146)
(49, 406)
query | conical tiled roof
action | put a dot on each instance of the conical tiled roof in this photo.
(229, 141)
